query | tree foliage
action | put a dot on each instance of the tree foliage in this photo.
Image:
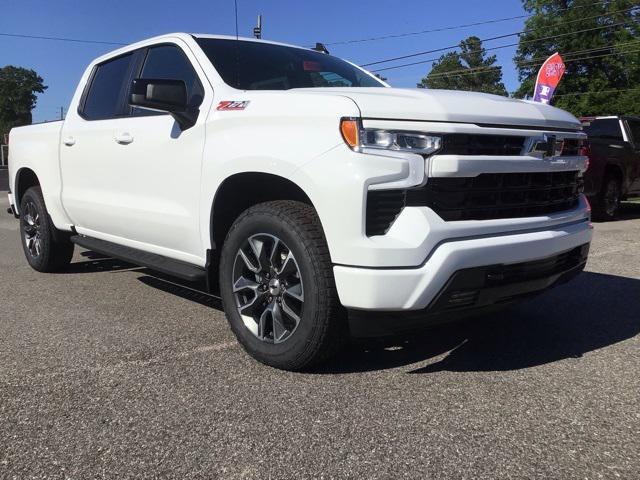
(614, 52)
(472, 69)
(18, 88)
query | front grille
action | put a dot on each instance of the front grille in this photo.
(485, 197)
(498, 195)
(467, 144)
(495, 145)
(571, 147)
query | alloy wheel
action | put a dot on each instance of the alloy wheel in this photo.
(267, 286)
(32, 229)
(612, 197)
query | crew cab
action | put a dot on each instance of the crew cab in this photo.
(614, 162)
(301, 188)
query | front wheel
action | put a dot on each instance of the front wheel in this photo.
(277, 286)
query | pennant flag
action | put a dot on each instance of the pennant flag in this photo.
(548, 78)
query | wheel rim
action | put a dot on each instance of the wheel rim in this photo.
(32, 229)
(611, 198)
(267, 286)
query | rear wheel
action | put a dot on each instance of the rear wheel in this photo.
(607, 202)
(46, 248)
(277, 286)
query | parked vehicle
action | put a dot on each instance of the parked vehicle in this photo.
(299, 186)
(614, 162)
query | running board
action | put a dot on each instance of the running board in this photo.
(183, 270)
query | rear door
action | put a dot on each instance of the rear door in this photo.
(135, 178)
(88, 153)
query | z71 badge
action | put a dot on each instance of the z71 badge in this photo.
(232, 105)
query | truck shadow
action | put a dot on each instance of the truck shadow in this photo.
(591, 312)
(629, 211)
(96, 262)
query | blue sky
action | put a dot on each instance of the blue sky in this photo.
(290, 21)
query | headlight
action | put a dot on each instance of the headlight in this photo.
(357, 138)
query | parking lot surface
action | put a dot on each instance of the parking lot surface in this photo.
(110, 371)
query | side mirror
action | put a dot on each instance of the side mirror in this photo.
(165, 96)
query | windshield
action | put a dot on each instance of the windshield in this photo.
(247, 65)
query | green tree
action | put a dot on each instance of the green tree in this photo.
(597, 60)
(18, 88)
(469, 69)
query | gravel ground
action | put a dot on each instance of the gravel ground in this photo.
(109, 371)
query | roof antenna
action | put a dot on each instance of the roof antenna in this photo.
(320, 48)
(235, 2)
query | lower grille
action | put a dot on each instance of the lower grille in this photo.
(483, 286)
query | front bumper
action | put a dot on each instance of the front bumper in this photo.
(401, 289)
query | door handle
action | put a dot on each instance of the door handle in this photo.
(69, 141)
(124, 138)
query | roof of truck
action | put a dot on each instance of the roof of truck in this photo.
(245, 39)
(185, 36)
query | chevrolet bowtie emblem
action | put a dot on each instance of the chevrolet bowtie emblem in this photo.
(545, 146)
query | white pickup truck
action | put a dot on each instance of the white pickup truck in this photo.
(301, 188)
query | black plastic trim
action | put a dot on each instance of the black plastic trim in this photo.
(475, 291)
(169, 266)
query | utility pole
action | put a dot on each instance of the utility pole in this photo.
(257, 30)
(61, 113)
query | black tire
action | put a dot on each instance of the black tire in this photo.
(607, 203)
(322, 328)
(46, 248)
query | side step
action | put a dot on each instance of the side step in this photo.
(179, 269)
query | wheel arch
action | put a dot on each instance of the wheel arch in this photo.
(234, 195)
(25, 179)
(614, 169)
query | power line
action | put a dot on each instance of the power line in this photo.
(501, 46)
(531, 64)
(566, 55)
(456, 27)
(422, 32)
(596, 92)
(60, 39)
(402, 57)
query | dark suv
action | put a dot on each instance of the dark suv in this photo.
(614, 162)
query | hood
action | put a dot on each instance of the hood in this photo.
(452, 106)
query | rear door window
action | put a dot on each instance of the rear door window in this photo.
(105, 98)
(605, 128)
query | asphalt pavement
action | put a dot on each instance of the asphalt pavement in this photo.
(109, 371)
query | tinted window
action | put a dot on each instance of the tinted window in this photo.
(262, 66)
(104, 99)
(634, 126)
(607, 128)
(168, 62)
